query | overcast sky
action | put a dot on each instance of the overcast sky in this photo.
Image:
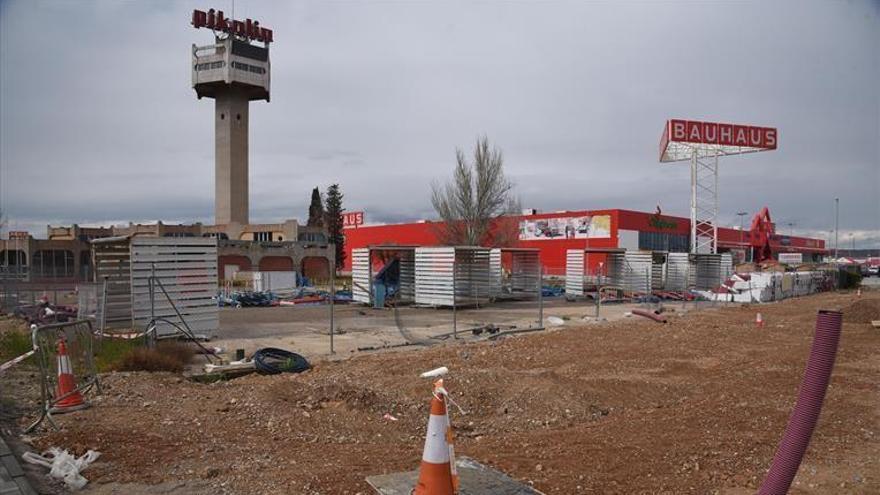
(99, 122)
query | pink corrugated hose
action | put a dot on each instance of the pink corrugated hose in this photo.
(809, 404)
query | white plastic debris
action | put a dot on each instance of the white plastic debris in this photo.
(555, 321)
(435, 372)
(64, 466)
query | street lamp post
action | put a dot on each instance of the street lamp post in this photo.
(742, 243)
(836, 223)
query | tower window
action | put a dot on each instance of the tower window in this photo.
(222, 116)
(238, 116)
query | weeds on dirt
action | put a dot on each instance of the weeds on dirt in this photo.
(14, 343)
(110, 352)
(166, 356)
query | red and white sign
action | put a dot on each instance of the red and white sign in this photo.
(215, 21)
(691, 131)
(352, 219)
(730, 138)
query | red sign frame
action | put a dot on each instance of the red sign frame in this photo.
(352, 219)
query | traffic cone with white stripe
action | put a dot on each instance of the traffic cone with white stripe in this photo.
(67, 396)
(437, 474)
(759, 320)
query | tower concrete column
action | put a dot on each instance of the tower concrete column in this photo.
(231, 157)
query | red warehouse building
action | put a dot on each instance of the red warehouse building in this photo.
(555, 233)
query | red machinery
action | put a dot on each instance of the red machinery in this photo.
(759, 236)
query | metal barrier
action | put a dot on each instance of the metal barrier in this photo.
(78, 337)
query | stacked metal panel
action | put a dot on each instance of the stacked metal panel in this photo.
(360, 275)
(187, 269)
(658, 274)
(709, 271)
(726, 266)
(407, 275)
(496, 270)
(112, 261)
(574, 272)
(452, 276)
(677, 272)
(630, 271)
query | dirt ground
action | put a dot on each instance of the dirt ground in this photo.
(307, 329)
(629, 406)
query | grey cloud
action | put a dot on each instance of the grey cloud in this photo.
(98, 120)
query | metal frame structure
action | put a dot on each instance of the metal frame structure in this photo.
(704, 200)
(702, 143)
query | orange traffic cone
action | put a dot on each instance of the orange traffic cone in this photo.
(437, 474)
(68, 397)
(759, 320)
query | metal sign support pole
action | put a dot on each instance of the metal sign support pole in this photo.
(332, 296)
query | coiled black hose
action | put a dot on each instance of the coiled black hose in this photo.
(272, 361)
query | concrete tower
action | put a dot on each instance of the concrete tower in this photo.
(233, 72)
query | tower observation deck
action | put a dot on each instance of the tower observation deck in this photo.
(232, 71)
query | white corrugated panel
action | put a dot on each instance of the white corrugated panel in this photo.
(658, 272)
(709, 271)
(113, 265)
(439, 269)
(630, 271)
(677, 271)
(360, 275)
(187, 269)
(574, 272)
(495, 270)
(407, 275)
(726, 266)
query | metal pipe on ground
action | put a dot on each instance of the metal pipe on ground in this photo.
(659, 318)
(806, 411)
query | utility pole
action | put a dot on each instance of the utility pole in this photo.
(836, 223)
(742, 243)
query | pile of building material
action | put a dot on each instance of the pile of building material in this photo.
(768, 286)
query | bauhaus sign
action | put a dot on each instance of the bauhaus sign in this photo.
(216, 21)
(352, 219)
(692, 131)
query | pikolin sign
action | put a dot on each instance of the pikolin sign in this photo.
(215, 21)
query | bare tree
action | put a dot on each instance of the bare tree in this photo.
(472, 204)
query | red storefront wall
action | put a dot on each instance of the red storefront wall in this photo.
(553, 250)
(424, 234)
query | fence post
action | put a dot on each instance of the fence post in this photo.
(332, 296)
(540, 295)
(454, 302)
